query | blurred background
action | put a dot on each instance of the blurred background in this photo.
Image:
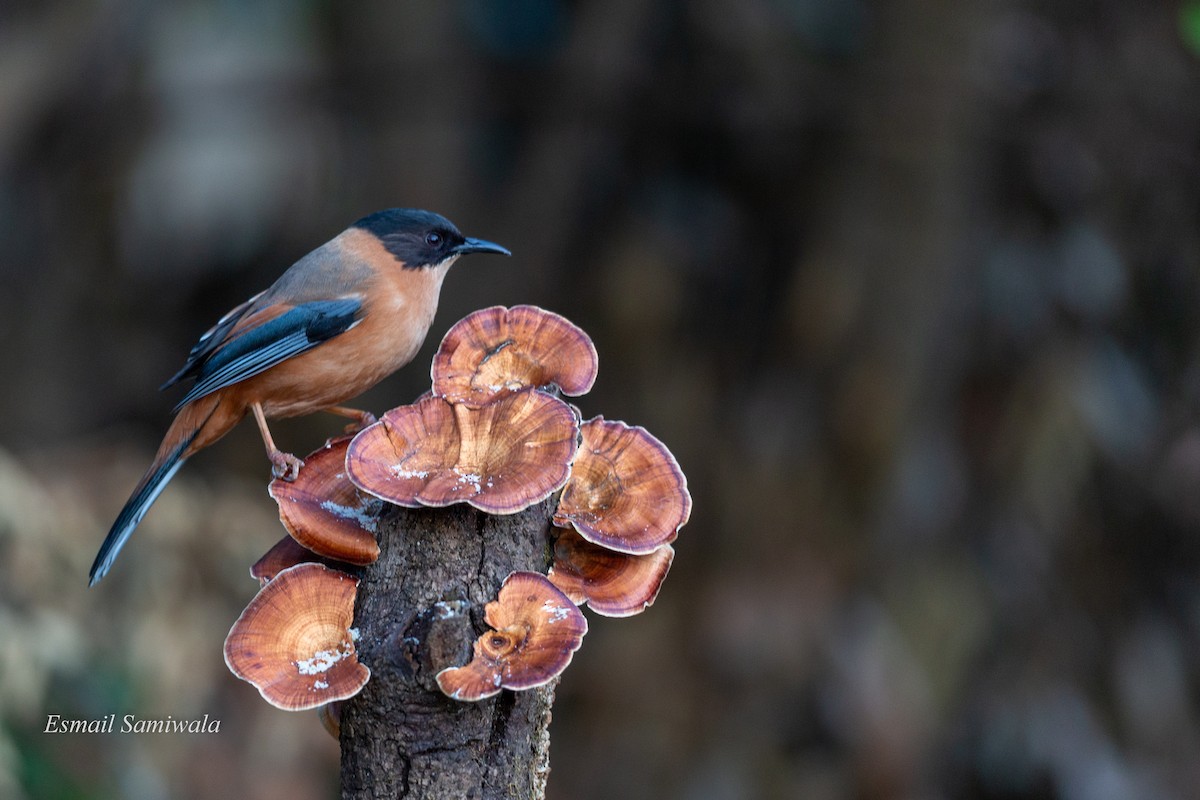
(909, 287)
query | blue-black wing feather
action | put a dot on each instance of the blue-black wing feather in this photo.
(210, 341)
(258, 349)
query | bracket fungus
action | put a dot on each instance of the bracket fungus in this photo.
(537, 630)
(612, 584)
(294, 641)
(287, 552)
(626, 491)
(496, 350)
(492, 433)
(330, 715)
(500, 458)
(323, 510)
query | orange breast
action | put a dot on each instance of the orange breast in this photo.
(399, 306)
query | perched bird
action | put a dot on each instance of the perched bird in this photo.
(340, 320)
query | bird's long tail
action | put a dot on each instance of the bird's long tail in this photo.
(182, 440)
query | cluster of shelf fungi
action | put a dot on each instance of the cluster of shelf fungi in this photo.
(492, 433)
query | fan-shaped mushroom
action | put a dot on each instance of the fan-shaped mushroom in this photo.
(611, 583)
(323, 510)
(287, 552)
(626, 491)
(537, 630)
(496, 350)
(501, 457)
(294, 641)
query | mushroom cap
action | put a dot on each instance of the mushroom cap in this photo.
(287, 552)
(323, 510)
(294, 642)
(498, 349)
(537, 631)
(500, 458)
(330, 715)
(626, 491)
(611, 583)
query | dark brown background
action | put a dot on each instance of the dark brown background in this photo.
(910, 287)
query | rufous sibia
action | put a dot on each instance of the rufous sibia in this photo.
(340, 320)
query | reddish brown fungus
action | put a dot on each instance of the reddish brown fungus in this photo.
(611, 583)
(497, 350)
(294, 641)
(500, 458)
(323, 510)
(626, 491)
(536, 631)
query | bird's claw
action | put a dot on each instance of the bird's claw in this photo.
(285, 466)
(365, 419)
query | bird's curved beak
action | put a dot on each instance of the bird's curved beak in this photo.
(470, 245)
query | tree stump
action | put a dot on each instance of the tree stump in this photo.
(419, 610)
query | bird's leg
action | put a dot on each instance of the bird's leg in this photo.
(283, 465)
(361, 418)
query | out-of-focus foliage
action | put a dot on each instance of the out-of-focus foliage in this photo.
(909, 288)
(1189, 21)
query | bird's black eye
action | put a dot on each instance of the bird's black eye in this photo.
(433, 239)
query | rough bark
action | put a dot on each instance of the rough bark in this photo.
(419, 610)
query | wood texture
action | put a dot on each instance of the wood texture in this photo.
(419, 609)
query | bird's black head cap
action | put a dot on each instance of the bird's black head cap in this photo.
(419, 238)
